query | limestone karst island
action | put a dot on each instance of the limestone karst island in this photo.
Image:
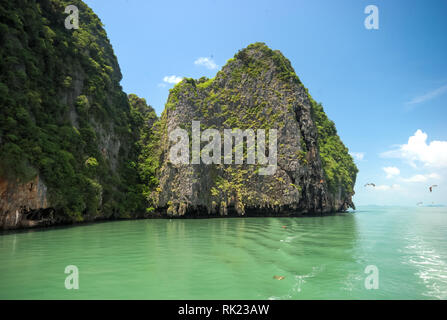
(76, 148)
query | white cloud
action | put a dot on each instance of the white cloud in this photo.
(357, 155)
(385, 187)
(206, 62)
(391, 172)
(428, 96)
(422, 177)
(172, 79)
(432, 155)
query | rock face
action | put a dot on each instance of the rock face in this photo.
(257, 89)
(18, 202)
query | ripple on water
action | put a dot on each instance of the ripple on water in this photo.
(320, 257)
(431, 268)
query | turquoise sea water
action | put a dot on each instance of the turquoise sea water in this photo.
(235, 258)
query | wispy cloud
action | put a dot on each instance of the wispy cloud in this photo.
(172, 79)
(357, 155)
(206, 62)
(385, 187)
(428, 96)
(422, 177)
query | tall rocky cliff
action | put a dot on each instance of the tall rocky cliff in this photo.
(74, 147)
(67, 132)
(257, 89)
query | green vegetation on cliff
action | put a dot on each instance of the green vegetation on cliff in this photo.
(147, 151)
(65, 118)
(63, 114)
(339, 167)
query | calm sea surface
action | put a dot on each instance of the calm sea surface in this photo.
(236, 258)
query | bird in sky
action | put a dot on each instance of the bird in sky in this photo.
(431, 187)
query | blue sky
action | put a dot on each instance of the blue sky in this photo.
(379, 86)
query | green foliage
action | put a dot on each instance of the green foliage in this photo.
(82, 105)
(338, 165)
(255, 66)
(62, 108)
(45, 129)
(146, 152)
